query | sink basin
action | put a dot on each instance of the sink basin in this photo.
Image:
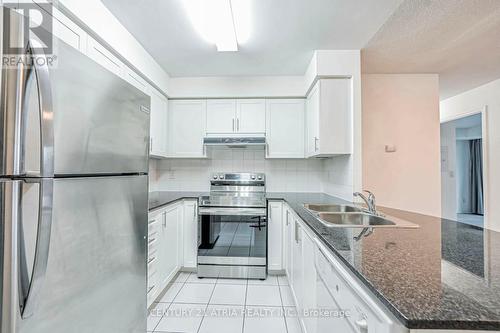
(361, 220)
(333, 208)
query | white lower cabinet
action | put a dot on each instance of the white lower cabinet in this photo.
(287, 239)
(275, 234)
(169, 256)
(190, 228)
(171, 244)
(328, 297)
(296, 278)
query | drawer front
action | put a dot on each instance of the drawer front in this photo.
(365, 314)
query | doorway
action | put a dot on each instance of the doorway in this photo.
(462, 170)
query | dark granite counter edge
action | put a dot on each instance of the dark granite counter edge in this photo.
(172, 200)
(408, 323)
(166, 203)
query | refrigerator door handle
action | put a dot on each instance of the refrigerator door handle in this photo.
(40, 70)
(41, 249)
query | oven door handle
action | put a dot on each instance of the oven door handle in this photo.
(239, 211)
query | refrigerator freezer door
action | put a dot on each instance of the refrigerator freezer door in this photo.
(95, 276)
(73, 117)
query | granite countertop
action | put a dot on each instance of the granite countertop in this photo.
(443, 275)
(162, 198)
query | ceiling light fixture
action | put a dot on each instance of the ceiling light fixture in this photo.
(224, 23)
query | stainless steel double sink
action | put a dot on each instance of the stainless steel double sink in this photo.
(353, 217)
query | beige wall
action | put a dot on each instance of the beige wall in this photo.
(402, 110)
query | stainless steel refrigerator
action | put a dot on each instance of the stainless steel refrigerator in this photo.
(73, 197)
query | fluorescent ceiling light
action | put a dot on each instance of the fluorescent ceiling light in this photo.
(224, 23)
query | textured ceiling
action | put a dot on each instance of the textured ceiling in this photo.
(285, 33)
(458, 39)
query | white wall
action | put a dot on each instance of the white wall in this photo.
(283, 175)
(249, 86)
(448, 171)
(402, 110)
(474, 101)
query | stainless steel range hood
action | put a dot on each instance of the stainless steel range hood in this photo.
(235, 142)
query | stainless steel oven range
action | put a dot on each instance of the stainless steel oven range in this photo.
(233, 227)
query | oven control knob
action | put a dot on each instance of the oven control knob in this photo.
(221, 176)
(253, 176)
(215, 176)
(260, 177)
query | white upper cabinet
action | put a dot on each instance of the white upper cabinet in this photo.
(136, 80)
(285, 128)
(251, 116)
(229, 116)
(186, 128)
(329, 118)
(68, 31)
(159, 124)
(104, 57)
(221, 116)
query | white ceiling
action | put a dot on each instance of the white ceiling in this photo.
(458, 39)
(468, 122)
(285, 34)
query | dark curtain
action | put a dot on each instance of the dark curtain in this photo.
(476, 176)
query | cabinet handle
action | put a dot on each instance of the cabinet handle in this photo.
(362, 324)
(267, 149)
(238, 124)
(297, 226)
(164, 219)
(316, 143)
(151, 144)
(233, 125)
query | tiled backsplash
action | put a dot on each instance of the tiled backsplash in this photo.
(338, 177)
(333, 176)
(288, 175)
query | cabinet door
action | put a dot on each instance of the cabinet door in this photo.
(186, 124)
(105, 58)
(170, 244)
(136, 80)
(287, 239)
(312, 111)
(190, 225)
(180, 237)
(297, 267)
(251, 116)
(285, 128)
(68, 31)
(335, 117)
(158, 128)
(221, 116)
(309, 281)
(275, 228)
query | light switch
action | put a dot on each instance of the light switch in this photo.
(390, 148)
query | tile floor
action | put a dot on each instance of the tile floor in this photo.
(193, 305)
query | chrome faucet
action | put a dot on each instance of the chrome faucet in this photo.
(370, 201)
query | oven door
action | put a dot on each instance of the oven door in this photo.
(233, 242)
